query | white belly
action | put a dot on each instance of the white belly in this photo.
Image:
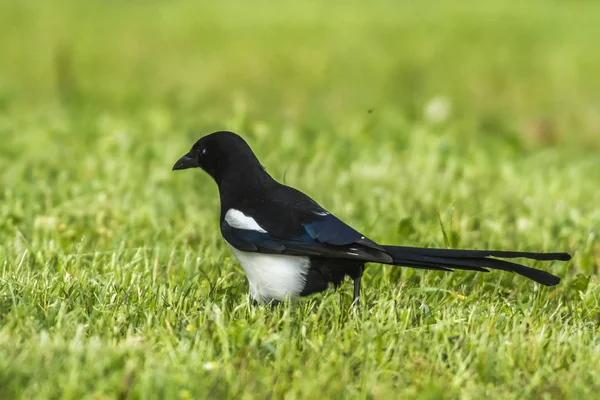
(273, 276)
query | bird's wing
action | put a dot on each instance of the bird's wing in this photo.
(299, 226)
(305, 245)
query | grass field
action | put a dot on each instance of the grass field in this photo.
(464, 125)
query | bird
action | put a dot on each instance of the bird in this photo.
(289, 246)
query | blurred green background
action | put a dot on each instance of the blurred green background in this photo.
(438, 123)
(306, 63)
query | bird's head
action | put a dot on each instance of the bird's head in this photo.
(219, 154)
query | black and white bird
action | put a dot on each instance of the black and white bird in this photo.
(289, 246)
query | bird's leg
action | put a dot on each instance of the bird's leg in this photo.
(357, 279)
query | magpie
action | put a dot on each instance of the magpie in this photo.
(290, 246)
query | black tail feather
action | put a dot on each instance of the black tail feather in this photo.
(474, 260)
(478, 253)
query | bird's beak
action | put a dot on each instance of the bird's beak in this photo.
(185, 162)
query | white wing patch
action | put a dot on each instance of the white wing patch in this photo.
(273, 276)
(239, 220)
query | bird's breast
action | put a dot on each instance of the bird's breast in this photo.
(273, 276)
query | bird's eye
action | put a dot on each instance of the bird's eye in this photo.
(204, 151)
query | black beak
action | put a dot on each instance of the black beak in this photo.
(185, 162)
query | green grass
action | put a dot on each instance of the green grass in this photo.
(115, 283)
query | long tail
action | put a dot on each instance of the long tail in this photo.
(474, 260)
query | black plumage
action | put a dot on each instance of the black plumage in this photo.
(261, 216)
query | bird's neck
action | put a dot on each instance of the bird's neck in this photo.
(243, 186)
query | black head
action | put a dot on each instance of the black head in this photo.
(220, 154)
